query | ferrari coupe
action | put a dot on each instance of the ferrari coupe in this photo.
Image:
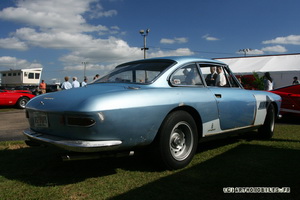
(17, 98)
(290, 99)
(168, 104)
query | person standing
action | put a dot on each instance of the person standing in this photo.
(66, 85)
(268, 82)
(84, 82)
(75, 83)
(296, 81)
(212, 77)
(96, 77)
(221, 79)
(42, 87)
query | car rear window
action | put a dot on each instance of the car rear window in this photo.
(136, 72)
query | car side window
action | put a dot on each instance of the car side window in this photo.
(186, 76)
(232, 82)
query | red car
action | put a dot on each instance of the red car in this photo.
(290, 99)
(14, 97)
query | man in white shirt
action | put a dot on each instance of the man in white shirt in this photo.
(75, 83)
(84, 82)
(66, 85)
(221, 79)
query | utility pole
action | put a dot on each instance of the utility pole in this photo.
(144, 34)
(84, 68)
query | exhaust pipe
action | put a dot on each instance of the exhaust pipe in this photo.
(89, 156)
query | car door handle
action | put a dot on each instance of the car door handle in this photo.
(218, 95)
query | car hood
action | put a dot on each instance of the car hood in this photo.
(83, 99)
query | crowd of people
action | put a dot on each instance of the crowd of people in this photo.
(75, 83)
(269, 83)
(217, 78)
(67, 84)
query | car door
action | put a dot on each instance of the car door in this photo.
(236, 106)
(191, 90)
(6, 98)
(1, 97)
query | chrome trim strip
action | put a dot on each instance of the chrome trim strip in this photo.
(232, 130)
(73, 145)
(289, 110)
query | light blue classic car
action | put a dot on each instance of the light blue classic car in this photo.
(169, 104)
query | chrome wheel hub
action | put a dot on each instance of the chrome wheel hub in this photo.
(181, 141)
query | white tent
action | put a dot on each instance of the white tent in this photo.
(281, 67)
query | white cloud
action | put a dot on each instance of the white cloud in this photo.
(277, 48)
(56, 24)
(27, 13)
(167, 41)
(108, 13)
(291, 39)
(91, 67)
(9, 62)
(13, 43)
(52, 40)
(103, 50)
(98, 11)
(181, 40)
(115, 28)
(54, 15)
(60, 24)
(177, 52)
(209, 38)
(176, 40)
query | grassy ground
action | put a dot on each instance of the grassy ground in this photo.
(7, 108)
(240, 161)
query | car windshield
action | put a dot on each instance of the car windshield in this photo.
(136, 72)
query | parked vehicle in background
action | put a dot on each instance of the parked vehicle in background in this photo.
(52, 88)
(32, 89)
(162, 103)
(290, 99)
(15, 98)
(19, 91)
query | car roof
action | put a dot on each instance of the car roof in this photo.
(186, 59)
(178, 59)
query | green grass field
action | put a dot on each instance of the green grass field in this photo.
(239, 161)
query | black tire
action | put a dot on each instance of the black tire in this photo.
(22, 102)
(178, 139)
(266, 131)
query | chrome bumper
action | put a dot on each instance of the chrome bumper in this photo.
(73, 145)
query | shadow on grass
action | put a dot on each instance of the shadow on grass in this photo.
(287, 119)
(244, 166)
(43, 166)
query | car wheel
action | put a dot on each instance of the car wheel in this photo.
(267, 129)
(22, 102)
(178, 140)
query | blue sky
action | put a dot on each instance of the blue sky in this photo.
(60, 35)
